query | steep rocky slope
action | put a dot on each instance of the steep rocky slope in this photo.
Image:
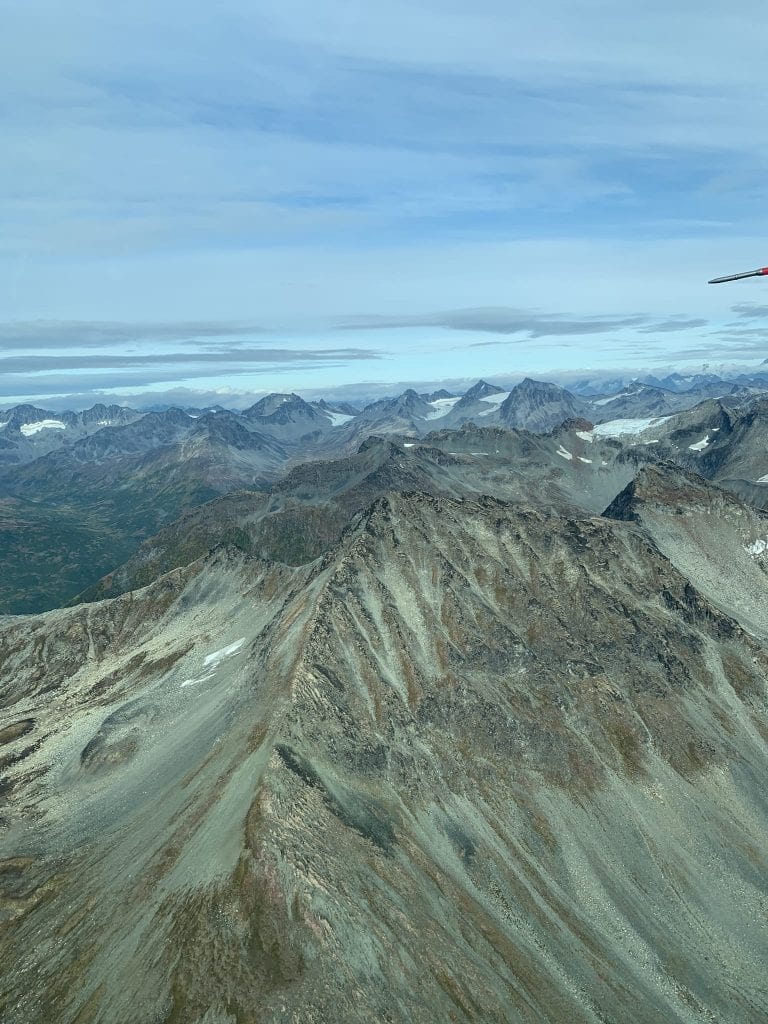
(477, 763)
(717, 541)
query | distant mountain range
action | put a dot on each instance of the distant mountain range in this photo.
(28, 432)
(599, 385)
(79, 492)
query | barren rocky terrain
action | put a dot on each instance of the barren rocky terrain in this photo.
(476, 762)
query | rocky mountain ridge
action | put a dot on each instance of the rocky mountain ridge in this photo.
(479, 762)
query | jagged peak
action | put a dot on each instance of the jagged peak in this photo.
(21, 415)
(481, 390)
(573, 424)
(374, 441)
(278, 402)
(172, 415)
(437, 395)
(529, 384)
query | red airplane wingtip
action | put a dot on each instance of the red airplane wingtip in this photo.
(737, 277)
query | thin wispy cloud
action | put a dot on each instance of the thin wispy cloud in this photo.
(499, 320)
(673, 326)
(527, 324)
(94, 334)
(744, 332)
(238, 357)
(105, 355)
(39, 388)
(750, 311)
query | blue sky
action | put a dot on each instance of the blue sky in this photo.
(254, 197)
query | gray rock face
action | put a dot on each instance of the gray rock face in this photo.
(718, 542)
(477, 763)
(540, 406)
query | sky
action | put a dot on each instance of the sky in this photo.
(230, 199)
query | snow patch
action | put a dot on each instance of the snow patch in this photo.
(198, 679)
(585, 435)
(582, 459)
(408, 444)
(337, 418)
(441, 407)
(762, 480)
(756, 548)
(28, 429)
(615, 398)
(213, 660)
(605, 401)
(494, 401)
(615, 428)
(564, 453)
(700, 445)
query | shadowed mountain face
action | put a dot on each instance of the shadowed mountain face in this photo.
(288, 417)
(536, 405)
(644, 400)
(477, 763)
(71, 516)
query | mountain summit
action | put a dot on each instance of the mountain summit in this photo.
(537, 405)
(481, 390)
